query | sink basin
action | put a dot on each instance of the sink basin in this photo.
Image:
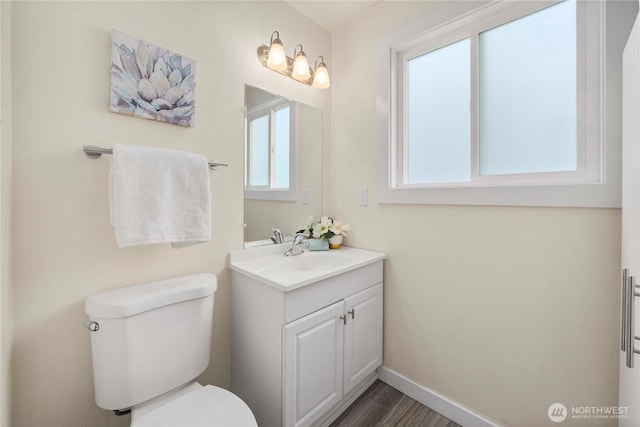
(269, 266)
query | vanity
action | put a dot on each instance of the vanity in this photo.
(307, 331)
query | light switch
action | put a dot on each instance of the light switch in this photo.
(305, 196)
(363, 196)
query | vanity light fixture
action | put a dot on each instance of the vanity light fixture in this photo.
(321, 75)
(274, 57)
(300, 70)
(277, 59)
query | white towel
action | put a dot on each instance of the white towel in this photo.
(158, 195)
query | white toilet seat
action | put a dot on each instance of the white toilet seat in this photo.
(206, 406)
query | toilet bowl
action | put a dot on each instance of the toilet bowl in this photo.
(149, 342)
(194, 405)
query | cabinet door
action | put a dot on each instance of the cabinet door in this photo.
(313, 363)
(363, 335)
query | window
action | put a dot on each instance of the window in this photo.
(498, 104)
(528, 79)
(259, 151)
(269, 150)
(437, 115)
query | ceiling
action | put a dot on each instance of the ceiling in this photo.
(333, 15)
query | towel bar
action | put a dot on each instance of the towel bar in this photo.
(94, 152)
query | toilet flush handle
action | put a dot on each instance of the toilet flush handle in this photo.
(91, 325)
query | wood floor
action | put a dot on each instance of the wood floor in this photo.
(382, 405)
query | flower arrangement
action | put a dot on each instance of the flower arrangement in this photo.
(324, 228)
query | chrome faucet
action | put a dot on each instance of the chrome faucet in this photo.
(277, 236)
(298, 246)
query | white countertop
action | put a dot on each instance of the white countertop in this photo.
(268, 265)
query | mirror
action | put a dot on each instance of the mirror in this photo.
(283, 170)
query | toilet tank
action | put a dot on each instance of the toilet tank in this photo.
(150, 338)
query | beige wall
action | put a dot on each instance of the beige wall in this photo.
(64, 247)
(6, 311)
(504, 310)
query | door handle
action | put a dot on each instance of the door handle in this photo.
(623, 310)
(630, 336)
(629, 316)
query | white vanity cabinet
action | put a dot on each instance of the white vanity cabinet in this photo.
(302, 354)
(328, 353)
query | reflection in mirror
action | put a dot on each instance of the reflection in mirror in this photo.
(283, 171)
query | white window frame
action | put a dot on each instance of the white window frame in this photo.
(266, 192)
(587, 186)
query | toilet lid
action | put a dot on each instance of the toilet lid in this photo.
(207, 406)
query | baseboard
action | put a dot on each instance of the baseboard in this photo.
(433, 400)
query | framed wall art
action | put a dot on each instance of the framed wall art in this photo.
(151, 82)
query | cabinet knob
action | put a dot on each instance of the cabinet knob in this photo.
(352, 312)
(344, 319)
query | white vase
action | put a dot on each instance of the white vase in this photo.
(335, 241)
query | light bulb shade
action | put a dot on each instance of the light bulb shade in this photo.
(277, 59)
(301, 67)
(321, 77)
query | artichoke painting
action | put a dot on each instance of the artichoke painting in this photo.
(150, 82)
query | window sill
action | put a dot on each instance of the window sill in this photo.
(581, 195)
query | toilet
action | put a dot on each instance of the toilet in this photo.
(148, 344)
